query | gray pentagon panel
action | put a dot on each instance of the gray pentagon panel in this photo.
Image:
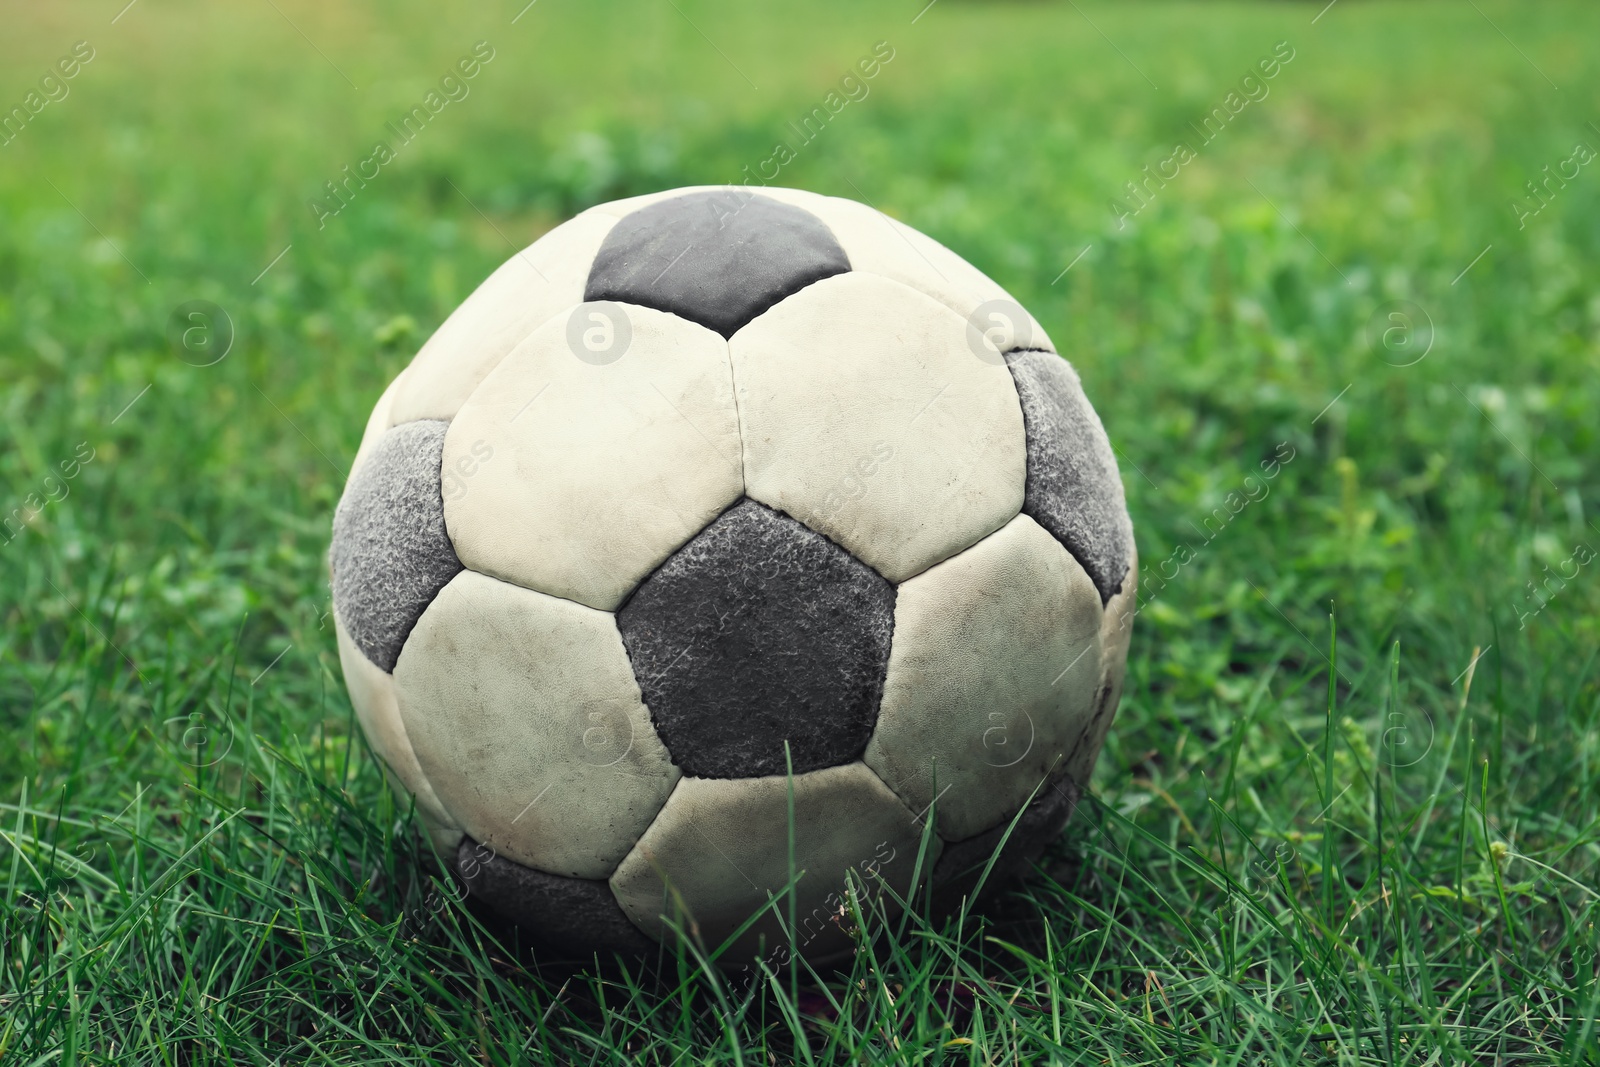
(756, 632)
(1073, 489)
(719, 258)
(575, 915)
(961, 864)
(390, 554)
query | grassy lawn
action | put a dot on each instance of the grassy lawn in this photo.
(1350, 811)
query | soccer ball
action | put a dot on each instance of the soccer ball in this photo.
(719, 526)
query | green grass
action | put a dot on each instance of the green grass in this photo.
(1396, 861)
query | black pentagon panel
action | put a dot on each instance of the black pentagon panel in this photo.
(390, 554)
(961, 863)
(576, 915)
(757, 631)
(719, 258)
(1073, 489)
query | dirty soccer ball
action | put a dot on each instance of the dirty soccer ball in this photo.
(710, 491)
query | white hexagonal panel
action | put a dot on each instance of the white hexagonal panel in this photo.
(576, 471)
(992, 675)
(869, 417)
(878, 244)
(372, 692)
(524, 715)
(722, 846)
(541, 281)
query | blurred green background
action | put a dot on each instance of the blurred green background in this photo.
(191, 826)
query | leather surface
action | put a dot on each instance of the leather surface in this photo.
(533, 286)
(1074, 489)
(525, 718)
(390, 553)
(1116, 630)
(994, 671)
(584, 477)
(373, 696)
(1018, 840)
(723, 847)
(576, 915)
(756, 633)
(878, 244)
(712, 258)
(867, 417)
